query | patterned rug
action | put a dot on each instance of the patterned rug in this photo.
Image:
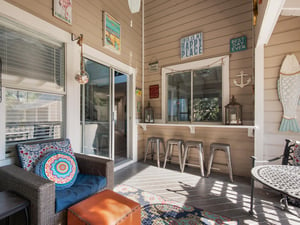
(160, 211)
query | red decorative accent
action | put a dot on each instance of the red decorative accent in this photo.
(154, 91)
(260, 1)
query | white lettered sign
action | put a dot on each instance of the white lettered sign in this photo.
(191, 45)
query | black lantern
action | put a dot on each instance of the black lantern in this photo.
(233, 113)
(149, 114)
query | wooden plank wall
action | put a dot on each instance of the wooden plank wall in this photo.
(166, 22)
(284, 40)
(241, 146)
(87, 20)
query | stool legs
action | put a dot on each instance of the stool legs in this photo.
(229, 165)
(154, 141)
(201, 161)
(149, 143)
(193, 144)
(169, 151)
(211, 158)
(222, 147)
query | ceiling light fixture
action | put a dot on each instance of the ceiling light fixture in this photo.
(134, 5)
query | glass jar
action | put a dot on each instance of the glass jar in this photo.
(149, 114)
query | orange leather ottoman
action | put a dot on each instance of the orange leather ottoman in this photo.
(105, 208)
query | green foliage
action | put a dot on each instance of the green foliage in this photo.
(206, 109)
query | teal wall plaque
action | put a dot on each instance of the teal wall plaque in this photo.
(238, 44)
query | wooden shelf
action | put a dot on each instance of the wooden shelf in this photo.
(251, 128)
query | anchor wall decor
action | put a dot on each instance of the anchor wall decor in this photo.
(242, 84)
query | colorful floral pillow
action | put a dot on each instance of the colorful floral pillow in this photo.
(29, 154)
(296, 156)
(59, 167)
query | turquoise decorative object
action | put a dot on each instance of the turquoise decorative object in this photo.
(238, 44)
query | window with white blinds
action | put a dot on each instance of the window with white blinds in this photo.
(33, 74)
(30, 60)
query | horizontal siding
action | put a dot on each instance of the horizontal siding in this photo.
(166, 22)
(284, 40)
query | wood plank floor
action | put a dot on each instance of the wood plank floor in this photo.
(216, 193)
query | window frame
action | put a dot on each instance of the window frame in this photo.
(72, 57)
(196, 65)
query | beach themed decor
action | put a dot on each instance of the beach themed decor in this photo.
(83, 76)
(62, 9)
(242, 83)
(112, 33)
(289, 92)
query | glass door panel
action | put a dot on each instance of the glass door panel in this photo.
(95, 104)
(120, 116)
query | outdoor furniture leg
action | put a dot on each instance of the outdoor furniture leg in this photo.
(252, 189)
(284, 203)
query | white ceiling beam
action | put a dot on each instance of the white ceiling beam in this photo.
(271, 16)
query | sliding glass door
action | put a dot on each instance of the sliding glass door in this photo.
(104, 112)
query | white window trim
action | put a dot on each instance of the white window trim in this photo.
(72, 62)
(200, 64)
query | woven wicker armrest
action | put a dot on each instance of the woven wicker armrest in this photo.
(39, 191)
(96, 166)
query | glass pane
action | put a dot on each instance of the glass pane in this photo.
(97, 99)
(120, 110)
(32, 116)
(207, 94)
(179, 96)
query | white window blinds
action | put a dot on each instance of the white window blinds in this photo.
(30, 60)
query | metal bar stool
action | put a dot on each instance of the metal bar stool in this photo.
(169, 153)
(220, 147)
(188, 146)
(157, 141)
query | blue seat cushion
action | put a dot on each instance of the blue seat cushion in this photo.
(84, 186)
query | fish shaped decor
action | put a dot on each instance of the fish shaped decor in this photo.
(289, 92)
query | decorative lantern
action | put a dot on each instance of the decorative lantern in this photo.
(233, 113)
(149, 114)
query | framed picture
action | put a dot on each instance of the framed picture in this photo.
(112, 33)
(62, 9)
(154, 91)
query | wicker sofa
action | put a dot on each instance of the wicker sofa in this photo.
(41, 192)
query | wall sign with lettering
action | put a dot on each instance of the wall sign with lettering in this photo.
(238, 44)
(191, 45)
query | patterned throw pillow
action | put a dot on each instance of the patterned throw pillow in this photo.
(59, 167)
(296, 156)
(29, 154)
